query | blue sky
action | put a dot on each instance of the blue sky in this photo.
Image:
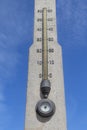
(16, 36)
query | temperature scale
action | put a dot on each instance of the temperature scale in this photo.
(45, 105)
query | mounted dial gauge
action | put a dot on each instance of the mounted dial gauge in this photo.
(45, 108)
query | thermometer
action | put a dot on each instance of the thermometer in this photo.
(45, 107)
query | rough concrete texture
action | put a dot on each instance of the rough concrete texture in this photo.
(58, 120)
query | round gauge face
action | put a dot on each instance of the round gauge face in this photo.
(45, 108)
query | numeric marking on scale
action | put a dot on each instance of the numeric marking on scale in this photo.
(50, 75)
(50, 29)
(39, 50)
(50, 39)
(39, 20)
(50, 62)
(39, 29)
(50, 50)
(48, 11)
(39, 39)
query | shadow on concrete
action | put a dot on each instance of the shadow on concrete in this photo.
(43, 119)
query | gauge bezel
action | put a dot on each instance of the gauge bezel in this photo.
(45, 113)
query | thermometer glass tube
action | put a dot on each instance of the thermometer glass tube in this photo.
(44, 45)
(45, 84)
